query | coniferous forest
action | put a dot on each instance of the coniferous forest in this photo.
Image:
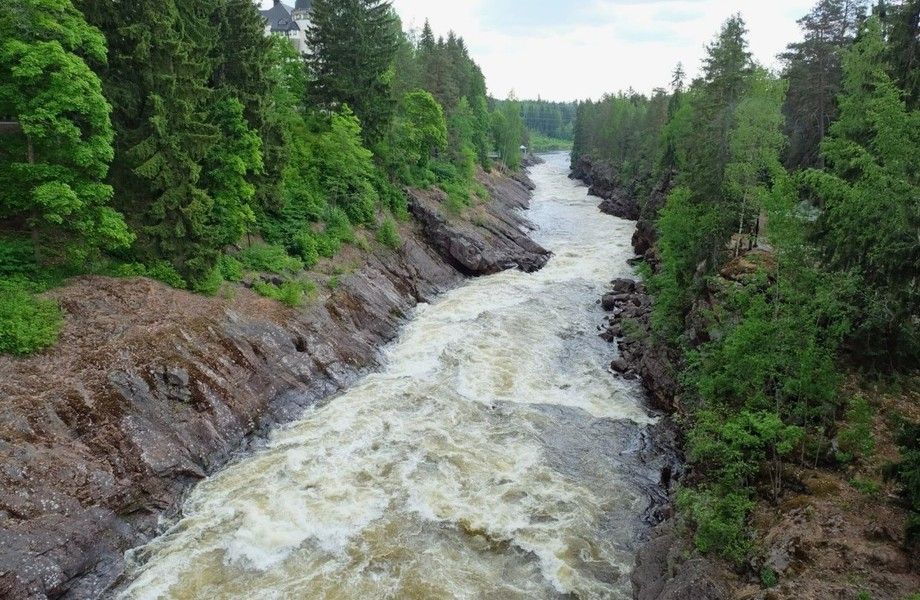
(177, 141)
(785, 210)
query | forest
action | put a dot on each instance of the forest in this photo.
(175, 140)
(811, 174)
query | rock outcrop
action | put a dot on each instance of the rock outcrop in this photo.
(151, 389)
(618, 198)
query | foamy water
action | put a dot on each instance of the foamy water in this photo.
(447, 474)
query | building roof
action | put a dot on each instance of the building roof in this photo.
(279, 18)
(303, 5)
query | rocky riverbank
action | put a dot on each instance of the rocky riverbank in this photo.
(666, 567)
(151, 389)
(819, 541)
(618, 198)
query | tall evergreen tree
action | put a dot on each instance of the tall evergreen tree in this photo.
(353, 45)
(904, 49)
(871, 199)
(813, 68)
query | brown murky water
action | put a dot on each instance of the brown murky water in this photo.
(491, 457)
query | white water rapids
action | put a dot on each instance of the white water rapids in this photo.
(481, 462)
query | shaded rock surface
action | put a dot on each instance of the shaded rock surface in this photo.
(151, 389)
(618, 198)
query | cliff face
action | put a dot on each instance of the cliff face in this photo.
(151, 389)
(618, 198)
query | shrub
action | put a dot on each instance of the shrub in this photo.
(720, 519)
(290, 293)
(166, 273)
(16, 256)
(306, 247)
(907, 472)
(162, 271)
(27, 323)
(210, 285)
(855, 440)
(270, 259)
(768, 577)
(230, 268)
(388, 236)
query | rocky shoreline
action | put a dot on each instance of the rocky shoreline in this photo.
(151, 389)
(666, 568)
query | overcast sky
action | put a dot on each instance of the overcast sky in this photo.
(577, 49)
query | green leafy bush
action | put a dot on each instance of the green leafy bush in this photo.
(720, 518)
(388, 235)
(907, 472)
(27, 323)
(855, 440)
(230, 268)
(290, 293)
(768, 577)
(270, 259)
(210, 284)
(307, 248)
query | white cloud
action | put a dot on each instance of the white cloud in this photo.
(628, 43)
(602, 45)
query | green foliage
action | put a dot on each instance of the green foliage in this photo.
(345, 169)
(541, 143)
(353, 44)
(549, 120)
(27, 323)
(270, 259)
(768, 577)
(388, 235)
(307, 248)
(508, 132)
(907, 472)
(418, 133)
(290, 293)
(855, 440)
(53, 174)
(866, 487)
(230, 268)
(871, 213)
(720, 518)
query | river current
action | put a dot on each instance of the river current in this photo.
(488, 459)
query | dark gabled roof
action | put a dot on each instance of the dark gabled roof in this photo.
(303, 5)
(280, 19)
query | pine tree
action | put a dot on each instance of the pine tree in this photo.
(813, 68)
(353, 45)
(53, 174)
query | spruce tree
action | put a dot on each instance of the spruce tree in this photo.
(871, 199)
(352, 48)
(904, 50)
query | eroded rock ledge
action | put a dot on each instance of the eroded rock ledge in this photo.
(151, 389)
(618, 197)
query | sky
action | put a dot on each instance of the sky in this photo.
(580, 49)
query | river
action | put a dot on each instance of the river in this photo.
(493, 456)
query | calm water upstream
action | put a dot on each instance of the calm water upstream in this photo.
(490, 458)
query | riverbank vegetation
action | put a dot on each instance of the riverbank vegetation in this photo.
(787, 255)
(177, 141)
